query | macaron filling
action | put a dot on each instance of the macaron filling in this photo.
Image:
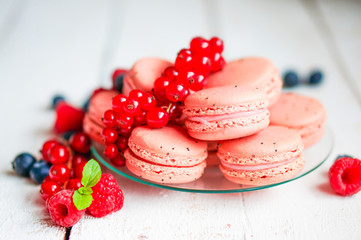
(213, 118)
(255, 167)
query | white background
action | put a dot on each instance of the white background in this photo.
(72, 46)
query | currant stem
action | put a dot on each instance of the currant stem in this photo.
(170, 104)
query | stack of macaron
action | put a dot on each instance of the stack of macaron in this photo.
(240, 121)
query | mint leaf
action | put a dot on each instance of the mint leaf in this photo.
(85, 190)
(82, 201)
(91, 173)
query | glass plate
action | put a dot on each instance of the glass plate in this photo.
(213, 181)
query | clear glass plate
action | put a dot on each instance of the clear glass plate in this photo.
(213, 181)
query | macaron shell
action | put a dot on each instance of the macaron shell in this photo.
(92, 129)
(266, 176)
(144, 73)
(160, 173)
(311, 139)
(99, 103)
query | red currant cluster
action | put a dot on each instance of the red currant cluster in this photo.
(64, 173)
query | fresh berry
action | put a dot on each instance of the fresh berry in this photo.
(160, 86)
(157, 118)
(316, 77)
(131, 107)
(23, 163)
(78, 169)
(77, 159)
(176, 92)
(117, 72)
(291, 79)
(122, 143)
(74, 184)
(68, 118)
(197, 82)
(47, 146)
(200, 45)
(110, 135)
(148, 102)
(39, 171)
(67, 135)
(343, 156)
(140, 118)
(216, 45)
(111, 150)
(59, 154)
(59, 173)
(124, 120)
(136, 94)
(62, 210)
(170, 73)
(107, 197)
(80, 142)
(125, 132)
(109, 118)
(47, 179)
(118, 79)
(118, 102)
(345, 176)
(174, 111)
(184, 60)
(57, 99)
(118, 161)
(185, 77)
(202, 64)
(217, 62)
(48, 189)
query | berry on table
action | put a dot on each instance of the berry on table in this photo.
(68, 118)
(48, 189)
(39, 171)
(111, 151)
(157, 118)
(59, 154)
(176, 92)
(290, 79)
(316, 77)
(74, 184)
(216, 45)
(200, 45)
(46, 148)
(345, 176)
(110, 135)
(343, 156)
(23, 163)
(109, 118)
(80, 142)
(62, 209)
(57, 99)
(59, 173)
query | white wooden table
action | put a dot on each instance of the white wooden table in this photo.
(71, 47)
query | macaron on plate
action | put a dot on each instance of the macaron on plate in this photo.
(213, 180)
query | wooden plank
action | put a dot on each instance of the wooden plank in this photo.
(306, 208)
(56, 46)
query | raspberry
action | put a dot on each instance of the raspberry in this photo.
(62, 209)
(68, 118)
(107, 197)
(345, 176)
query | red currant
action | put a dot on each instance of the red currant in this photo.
(110, 135)
(122, 143)
(77, 160)
(197, 82)
(184, 60)
(47, 179)
(139, 119)
(148, 102)
(170, 73)
(124, 120)
(159, 88)
(109, 118)
(136, 94)
(118, 102)
(74, 184)
(125, 132)
(176, 92)
(59, 154)
(216, 45)
(78, 170)
(185, 77)
(157, 118)
(80, 142)
(200, 45)
(217, 62)
(47, 146)
(111, 151)
(174, 110)
(59, 173)
(48, 189)
(118, 160)
(131, 107)
(202, 64)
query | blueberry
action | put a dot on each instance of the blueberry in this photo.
(343, 156)
(86, 104)
(290, 79)
(67, 135)
(39, 171)
(22, 164)
(119, 82)
(316, 77)
(57, 99)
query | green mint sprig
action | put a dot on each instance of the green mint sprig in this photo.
(82, 197)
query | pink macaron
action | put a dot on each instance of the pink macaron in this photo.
(304, 114)
(143, 74)
(92, 123)
(226, 112)
(165, 155)
(270, 156)
(253, 72)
